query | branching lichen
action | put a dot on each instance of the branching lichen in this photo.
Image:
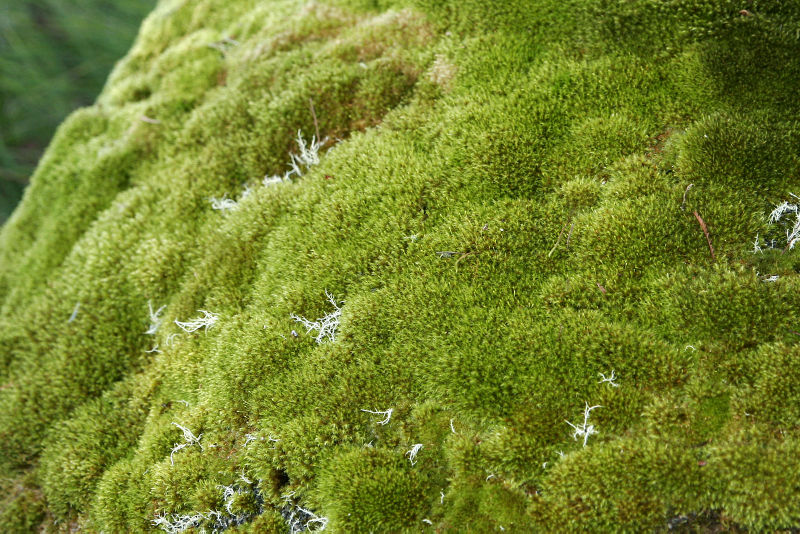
(584, 430)
(155, 319)
(325, 326)
(793, 229)
(387, 415)
(189, 440)
(299, 163)
(208, 320)
(412, 453)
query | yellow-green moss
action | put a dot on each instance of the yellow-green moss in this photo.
(513, 200)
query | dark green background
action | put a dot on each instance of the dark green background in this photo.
(54, 57)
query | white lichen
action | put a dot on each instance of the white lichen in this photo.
(309, 154)
(189, 440)
(325, 326)
(299, 163)
(609, 380)
(175, 524)
(155, 319)
(316, 523)
(223, 204)
(782, 209)
(301, 519)
(228, 494)
(216, 520)
(412, 454)
(223, 45)
(74, 312)
(387, 415)
(207, 321)
(585, 429)
(756, 246)
(446, 253)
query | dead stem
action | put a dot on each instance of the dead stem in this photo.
(705, 231)
(314, 114)
(557, 240)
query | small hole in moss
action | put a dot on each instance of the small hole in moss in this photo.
(282, 478)
(141, 93)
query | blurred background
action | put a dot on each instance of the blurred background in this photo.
(55, 56)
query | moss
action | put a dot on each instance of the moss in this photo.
(751, 467)
(368, 488)
(770, 386)
(81, 448)
(502, 211)
(270, 522)
(23, 507)
(123, 501)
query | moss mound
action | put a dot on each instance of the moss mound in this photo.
(414, 266)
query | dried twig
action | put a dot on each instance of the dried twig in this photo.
(463, 255)
(557, 240)
(569, 235)
(683, 204)
(705, 231)
(314, 114)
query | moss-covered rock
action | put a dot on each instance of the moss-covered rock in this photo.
(414, 265)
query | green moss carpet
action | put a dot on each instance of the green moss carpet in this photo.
(415, 266)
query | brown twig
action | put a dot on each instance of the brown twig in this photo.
(705, 231)
(683, 204)
(314, 114)
(463, 255)
(569, 235)
(145, 118)
(559, 239)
